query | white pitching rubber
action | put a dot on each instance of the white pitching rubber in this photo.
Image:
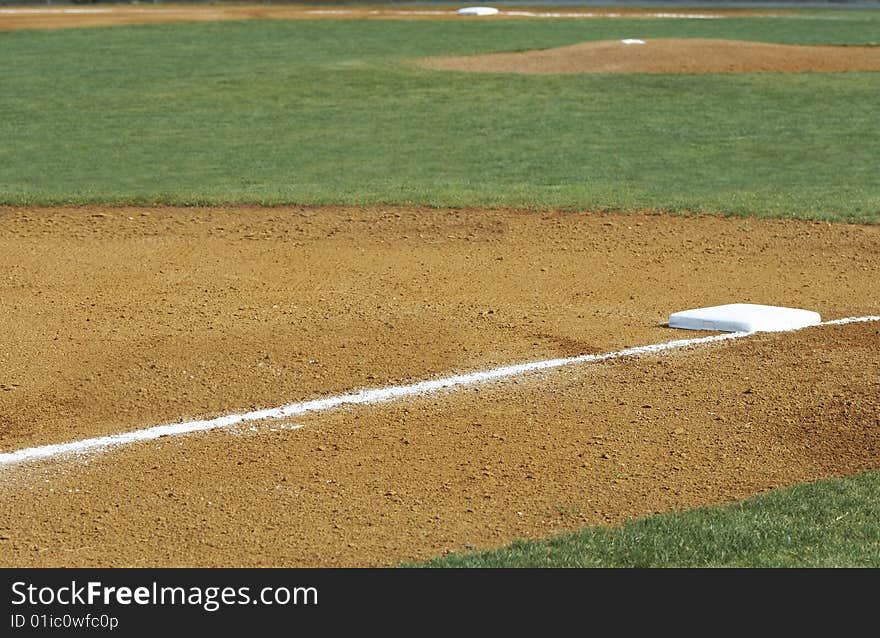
(744, 317)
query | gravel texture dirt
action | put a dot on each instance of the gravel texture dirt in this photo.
(120, 318)
(36, 17)
(669, 56)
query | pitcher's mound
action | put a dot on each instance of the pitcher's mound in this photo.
(669, 56)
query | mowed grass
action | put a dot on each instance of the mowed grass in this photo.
(334, 112)
(831, 523)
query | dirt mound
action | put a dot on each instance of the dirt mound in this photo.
(669, 56)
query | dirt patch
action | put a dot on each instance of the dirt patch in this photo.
(669, 56)
(17, 18)
(119, 318)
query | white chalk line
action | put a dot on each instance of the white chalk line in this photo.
(524, 14)
(49, 11)
(364, 397)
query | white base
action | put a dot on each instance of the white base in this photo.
(477, 11)
(744, 317)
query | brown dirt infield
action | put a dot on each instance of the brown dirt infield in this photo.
(31, 17)
(119, 318)
(669, 56)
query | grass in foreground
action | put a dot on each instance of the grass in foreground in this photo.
(331, 112)
(830, 523)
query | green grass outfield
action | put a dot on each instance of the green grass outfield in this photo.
(831, 523)
(331, 112)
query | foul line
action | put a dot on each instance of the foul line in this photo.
(376, 395)
(524, 14)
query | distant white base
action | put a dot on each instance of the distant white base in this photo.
(477, 11)
(744, 317)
